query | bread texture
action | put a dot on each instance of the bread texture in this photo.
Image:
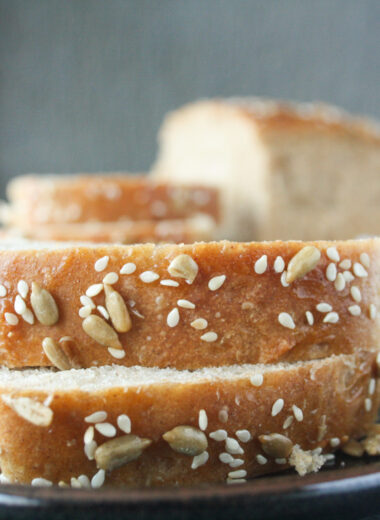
(54, 424)
(62, 199)
(286, 170)
(187, 306)
(200, 228)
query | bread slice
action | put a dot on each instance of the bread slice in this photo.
(52, 423)
(186, 306)
(287, 170)
(62, 199)
(187, 230)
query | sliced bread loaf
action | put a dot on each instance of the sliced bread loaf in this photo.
(287, 171)
(186, 306)
(151, 427)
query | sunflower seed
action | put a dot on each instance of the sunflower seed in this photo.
(43, 305)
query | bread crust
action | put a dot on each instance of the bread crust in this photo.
(335, 388)
(242, 314)
(120, 232)
(58, 199)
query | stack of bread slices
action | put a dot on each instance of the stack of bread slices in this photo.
(116, 208)
(152, 365)
(174, 364)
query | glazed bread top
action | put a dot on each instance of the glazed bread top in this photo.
(186, 306)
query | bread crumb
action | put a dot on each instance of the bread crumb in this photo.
(371, 443)
(306, 461)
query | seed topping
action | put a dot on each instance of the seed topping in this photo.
(101, 264)
(286, 320)
(117, 452)
(128, 268)
(148, 276)
(101, 332)
(43, 305)
(277, 407)
(117, 310)
(173, 318)
(261, 264)
(209, 337)
(199, 324)
(30, 410)
(333, 254)
(276, 445)
(216, 282)
(187, 440)
(183, 266)
(279, 264)
(302, 263)
(55, 354)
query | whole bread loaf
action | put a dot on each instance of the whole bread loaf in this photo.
(151, 427)
(286, 170)
(186, 306)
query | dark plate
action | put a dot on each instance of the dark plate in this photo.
(349, 492)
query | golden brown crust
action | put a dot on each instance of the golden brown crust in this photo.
(120, 232)
(243, 323)
(330, 394)
(58, 199)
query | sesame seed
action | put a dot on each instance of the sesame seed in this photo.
(236, 481)
(28, 316)
(124, 423)
(23, 288)
(288, 422)
(277, 407)
(3, 291)
(169, 283)
(331, 317)
(359, 270)
(106, 429)
(298, 413)
(89, 450)
(89, 435)
(216, 282)
(173, 318)
(280, 461)
(185, 304)
(355, 310)
(199, 460)
(226, 458)
(85, 300)
(364, 258)
(148, 276)
(286, 320)
(84, 481)
(333, 254)
(345, 264)
(202, 420)
(103, 311)
(372, 311)
(279, 264)
(323, 307)
(209, 337)
(368, 404)
(41, 482)
(96, 417)
(199, 324)
(94, 290)
(284, 283)
(348, 276)
(331, 272)
(128, 268)
(340, 282)
(261, 459)
(257, 379)
(117, 353)
(239, 473)
(233, 447)
(261, 264)
(236, 463)
(219, 435)
(372, 386)
(11, 318)
(356, 294)
(334, 442)
(98, 479)
(110, 278)
(309, 317)
(101, 263)
(243, 435)
(84, 312)
(19, 305)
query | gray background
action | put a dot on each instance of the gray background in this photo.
(84, 84)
